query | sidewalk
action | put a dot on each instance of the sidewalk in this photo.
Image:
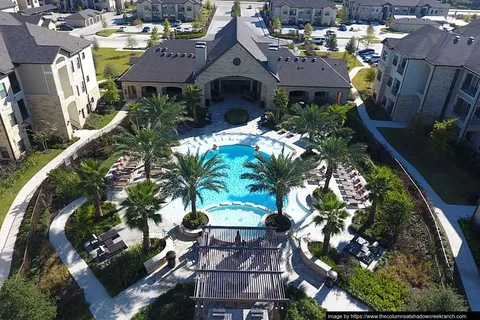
(13, 220)
(447, 214)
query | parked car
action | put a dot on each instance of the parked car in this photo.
(301, 27)
(187, 29)
(342, 27)
(347, 23)
(249, 7)
(65, 27)
(319, 40)
(334, 49)
(329, 33)
(383, 22)
(61, 19)
(178, 23)
(146, 29)
(373, 60)
(118, 13)
(122, 29)
(363, 51)
(179, 29)
(370, 57)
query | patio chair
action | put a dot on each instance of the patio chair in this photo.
(110, 234)
(116, 247)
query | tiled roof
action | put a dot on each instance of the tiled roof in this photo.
(314, 4)
(84, 14)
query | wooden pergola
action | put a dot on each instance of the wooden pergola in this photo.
(239, 265)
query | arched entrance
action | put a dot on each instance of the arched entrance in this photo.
(298, 96)
(236, 87)
(149, 91)
(321, 98)
(172, 92)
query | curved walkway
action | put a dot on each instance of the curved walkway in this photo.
(447, 214)
(13, 220)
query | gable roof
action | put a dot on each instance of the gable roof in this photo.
(6, 4)
(24, 42)
(170, 1)
(417, 21)
(314, 4)
(84, 14)
(403, 3)
(36, 10)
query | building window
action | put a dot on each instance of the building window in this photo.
(401, 68)
(237, 61)
(293, 12)
(12, 77)
(189, 8)
(396, 87)
(384, 55)
(470, 85)
(78, 62)
(412, 10)
(21, 145)
(3, 91)
(390, 81)
(395, 60)
(318, 13)
(300, 10)
(4, 152)
(384, 101)
(309, 12)
(83, 55)
(461, 109)
(23, 109)
(84, 88)
(78, 91)
(390, 106)
(12, 119)
(88, 78)
(379, 75)
(285, 11)
(327, 14)
(83, 113)
(73, 67)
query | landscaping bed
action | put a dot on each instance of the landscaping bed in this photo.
(237, 116)
(280, 222)
(175, 304)
(315, 248)
(473, 239)
(190, 223)
(300, 306)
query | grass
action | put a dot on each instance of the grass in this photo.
(41, 159)
(350, 60)
(388, 30)
(108, 163)
(375, 112)
(473, 239)
(119, 59)
(98, 121)
(449, 181)
(109, 32)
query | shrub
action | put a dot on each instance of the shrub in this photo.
(315, 248)
(473, 239)
(236, 116)
(126, 268)
(190, 223)
(377, 231)
(284, 36)
(406, 268)
(436, 299)
(381, 293)
(317, 193)
(65, 182)
(54, 278)
(302, 307)
(108, 208)
(191, 35)
(280, 222)
(12, 178)
(175, 304)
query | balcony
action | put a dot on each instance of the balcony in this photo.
(470, 85)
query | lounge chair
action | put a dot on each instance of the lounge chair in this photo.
(116, 247)
(110, 234)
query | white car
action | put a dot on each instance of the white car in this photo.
(122, 29)
(178, 29)
(319, 40)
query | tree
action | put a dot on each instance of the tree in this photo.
(111, 95)
(163, 111)
(307, 32)
(391, 21)
(22, 300)
(236, 9)
(166, 28)
(277, 175)
(45, 132)
(193, 97)
(369, 76)
(379, 182)
(342, 14)
(441, 138)
(436, 299)
(208, 5)
(198, 20)
(368, 38)
(351, 45)
(151, 144)
(280, 101)
(276, 25)
(142, 204)
(135, 112)
(104, 21)
(110, 71)
(333, 213)
(131, 43)
(331, 42)
(95, 44)
(138, 23)
(397, 208)
(92, 182)
(79, 7)
(190, 174)
(154, 38)
(336, 152)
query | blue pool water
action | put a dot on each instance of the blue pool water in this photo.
(236, 215)
(235, 156)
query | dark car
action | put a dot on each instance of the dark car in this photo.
(61, 19)
(383, 22)
(347, 23)
(118, 12)
(365, 51)
(342, 27)
(65, 27)
(301, 27)
(146, 29)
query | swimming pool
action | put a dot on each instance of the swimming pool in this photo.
(236, 215)
(235, 156)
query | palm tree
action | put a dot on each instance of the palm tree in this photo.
(193, 97)
(151, 144)
(92, 182)
(277, 175)
(163, 111)
(142, 203)
(332, 212)
(190, 174)
(379, 182)
(311, 121)
(336, 152)
(136, 112)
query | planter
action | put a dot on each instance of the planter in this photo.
(193, 233)
(280, 234)
(317, 265)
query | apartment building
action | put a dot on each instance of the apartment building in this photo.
(44, 75)
(433, 73)
(382, 9)
(316, 12)
(8, 6)
(27, 4)
(107, 5)
(159, 10)
(84, 18)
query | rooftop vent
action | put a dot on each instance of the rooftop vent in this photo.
(177, 54)
(296, 59)
(456, 39)
(287, 58)
(304, 59)
(279, 58)
(314, 59)
(470, 40)
(323, 68)
(183, 55)
(164, 49)
(170, 54)
(162, 54)
(190, 55)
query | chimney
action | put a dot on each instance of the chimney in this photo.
(272, 58)
(200, 55)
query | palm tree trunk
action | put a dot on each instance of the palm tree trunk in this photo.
(371, 216)
(97, 205)
(328, 176)
(193, 200)
(194, 113)
(148, 169)
(279, 200)
(146, 238)
(326, 243)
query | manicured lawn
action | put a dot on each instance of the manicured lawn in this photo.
(98, 121)
(350, 60)
(119, 59)
(359, 83)
(106, 32)
(374, 111)
(41, 160)
(387, 30)
(473, 239)
(449, 181)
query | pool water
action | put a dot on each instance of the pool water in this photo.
(235, 156)
(236, 215)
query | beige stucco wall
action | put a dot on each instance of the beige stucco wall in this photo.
(158, 85)
(331, 92)
(327, 17)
